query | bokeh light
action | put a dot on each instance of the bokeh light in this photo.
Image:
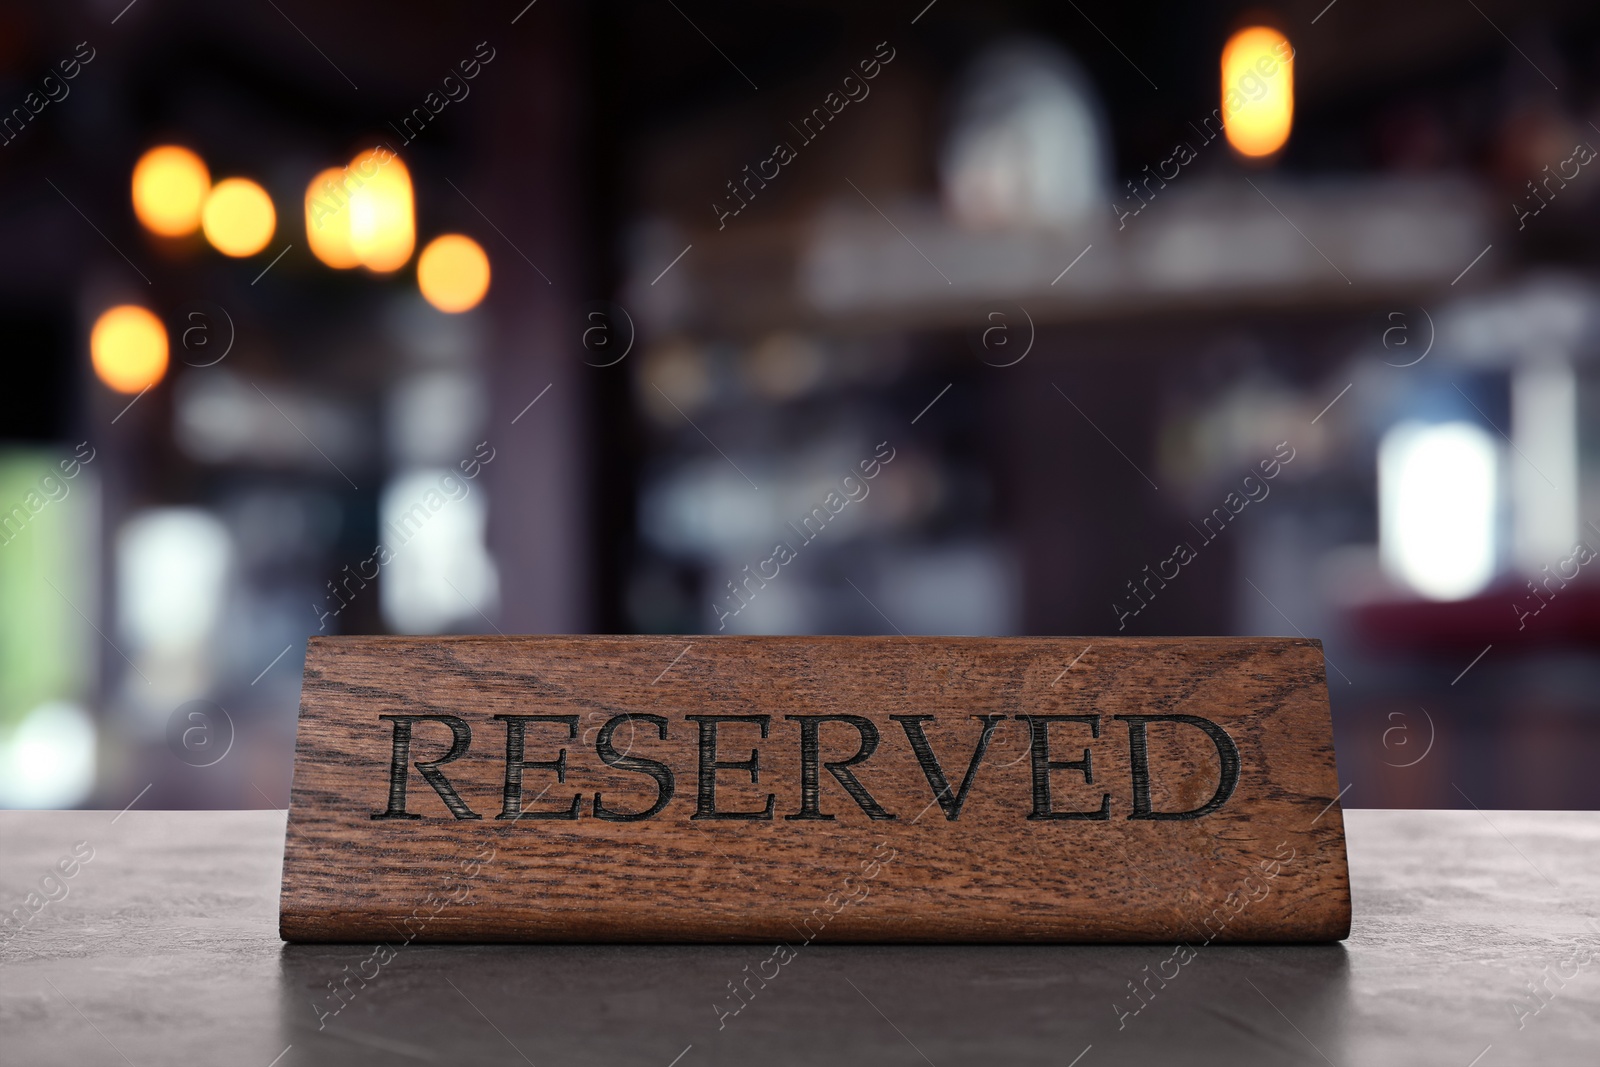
(238, 217)
(453, 273)
(169, 189)
(383, 228)
(1257, 90)
(328, 219)
(1437, 507)
(128, 347)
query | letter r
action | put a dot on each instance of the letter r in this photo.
(399, 772)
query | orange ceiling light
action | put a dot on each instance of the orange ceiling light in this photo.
(383, 219)
(453, 273)
(238, 218)
(170, 184)
(1257, 91)
(128, 347)
(328, 219)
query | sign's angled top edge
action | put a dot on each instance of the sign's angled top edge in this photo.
(342, 639)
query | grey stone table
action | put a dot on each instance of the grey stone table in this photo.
(1476, 942)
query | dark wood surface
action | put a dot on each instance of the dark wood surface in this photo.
(885, 848)
(165, 951)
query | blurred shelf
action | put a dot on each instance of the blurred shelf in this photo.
(1215, 245)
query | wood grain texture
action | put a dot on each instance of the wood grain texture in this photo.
(872, 854)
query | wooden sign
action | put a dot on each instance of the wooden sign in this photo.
(830, 788)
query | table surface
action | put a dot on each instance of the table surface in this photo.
(164, 950)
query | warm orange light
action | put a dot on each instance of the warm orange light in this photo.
(169, 187)
(383, 227)
(328, 218)
(1257, 90)
(453, 273)
(128, 347)
(238, 217)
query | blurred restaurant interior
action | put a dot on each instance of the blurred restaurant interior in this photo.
(1156, 319)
